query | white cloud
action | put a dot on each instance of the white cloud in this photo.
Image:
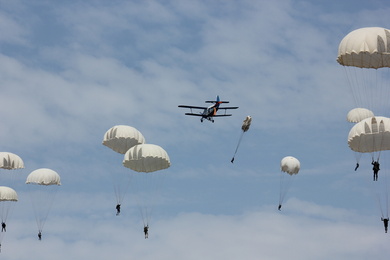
(308, 231)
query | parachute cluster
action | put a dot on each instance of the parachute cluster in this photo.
(365, 56)
(8, 196)
(145, 161)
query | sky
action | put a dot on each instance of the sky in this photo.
(71, 70)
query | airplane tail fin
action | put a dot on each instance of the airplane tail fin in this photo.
(216, 101)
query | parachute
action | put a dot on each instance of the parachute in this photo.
(8, 197)
(245, 127)
(10, 161)
(365, 55)
(121, 138)
(146, 160)
(246, 124)
(358, 114)
(370, 135)
(355, 116)
(291, 166)
(43, 184)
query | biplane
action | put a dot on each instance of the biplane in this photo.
(209, 112)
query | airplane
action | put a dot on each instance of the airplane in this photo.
(209, 112)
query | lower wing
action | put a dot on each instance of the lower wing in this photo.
(192, 114)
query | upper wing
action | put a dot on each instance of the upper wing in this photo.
(228, 108)
(192, 107)
(211, 101)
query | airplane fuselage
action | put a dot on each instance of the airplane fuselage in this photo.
(209, 112)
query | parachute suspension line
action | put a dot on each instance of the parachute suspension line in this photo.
(157, 192)
(6, 208)
(387, 195)
(143, 212)
(380, 190)
(382, 96)
(42, 203)
(385, 180)
(121, 182)
(368, 87)
(147, 187)
(285, 184)
(238, 145)
(358, 156)
(351, 81)
(385, 83)
(379, 201)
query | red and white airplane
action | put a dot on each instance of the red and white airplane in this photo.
(209, 112)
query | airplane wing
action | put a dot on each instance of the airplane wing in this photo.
(192, 114)
(228, 108)
(210, 101)
(222, 115)
(192, 107)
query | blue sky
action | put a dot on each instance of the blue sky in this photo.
(71, 70)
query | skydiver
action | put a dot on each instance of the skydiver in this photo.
(357, 166)
(385, 223)
(146, 231)
(40, 235)
(118, 209)
(232, 160)
(376, 169)
(3, 226)
(279, 207)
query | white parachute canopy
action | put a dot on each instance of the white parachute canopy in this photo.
(358, 114)
(365, 55)
(146, 158)
(370, 135)
(8, 194)
(10, 161)
(365, 48)
(121, 138)
(44, 176)
(290, 165)
(43, 184)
